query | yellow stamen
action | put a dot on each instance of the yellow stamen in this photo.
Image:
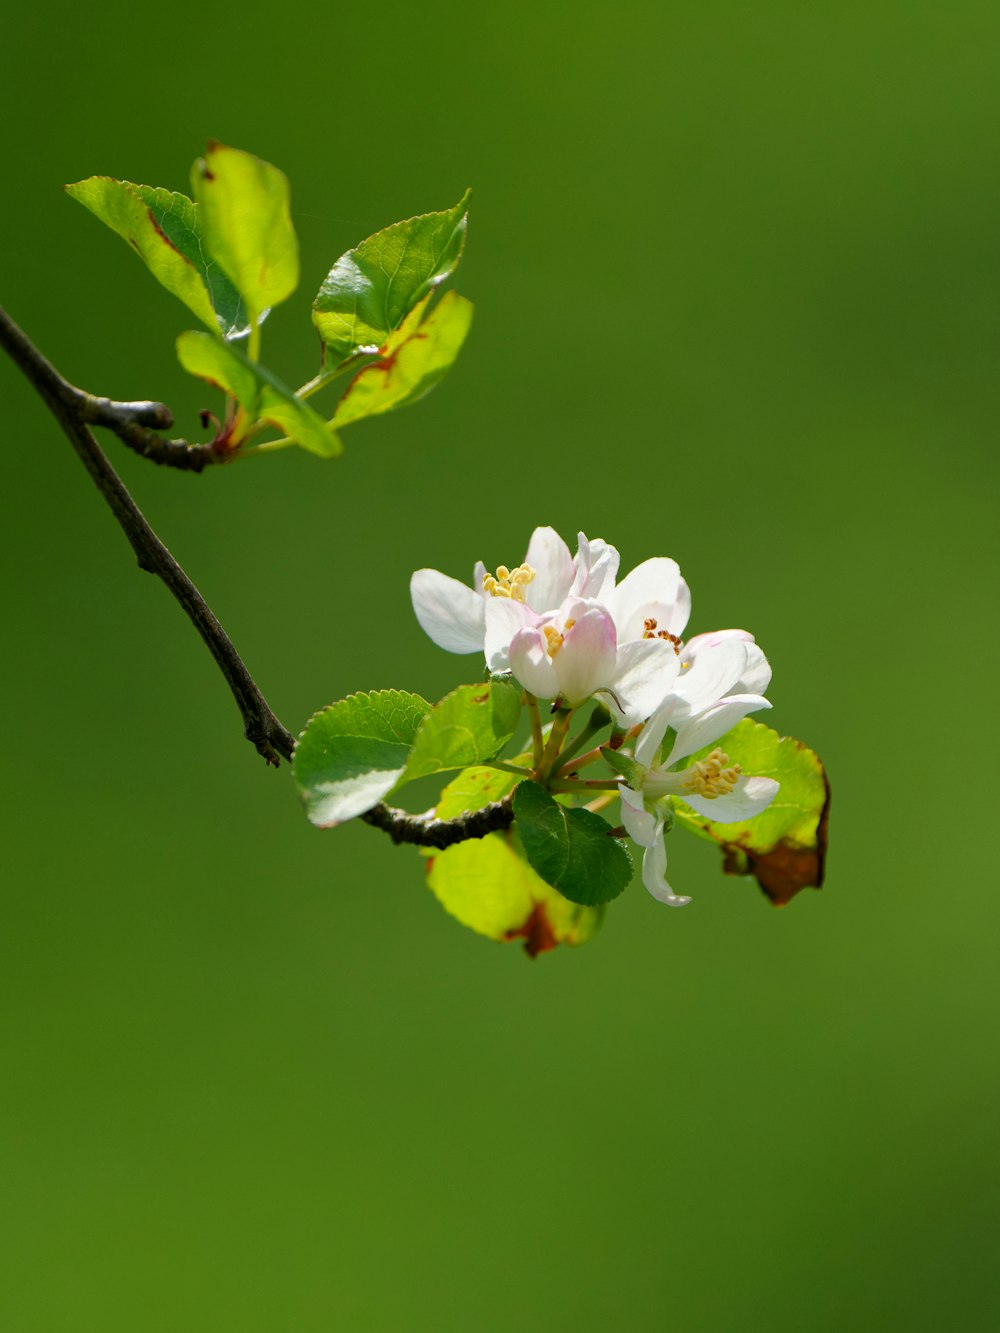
(553, 640)
(713, 776)
(510, 583)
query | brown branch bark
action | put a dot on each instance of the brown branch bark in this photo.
(75, 411)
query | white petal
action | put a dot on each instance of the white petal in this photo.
(713, 672)
(645, 673)
(640, 825)
(653, 590)
(749, 797)
(478, 575)
(548, 555)
(756, 675)
(449, 612)
(654, 874)
(531, 664)
(504, 617)
(587, 658)
(714, 722)
(651, 736)
(596, 568)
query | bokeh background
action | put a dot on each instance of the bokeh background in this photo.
(736, 277)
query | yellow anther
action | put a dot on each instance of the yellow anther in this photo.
(713, 776)
(553, 640)
(509, 582)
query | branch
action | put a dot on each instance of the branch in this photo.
(426, 831)
(74, 410)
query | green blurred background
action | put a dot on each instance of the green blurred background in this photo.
(736, 277)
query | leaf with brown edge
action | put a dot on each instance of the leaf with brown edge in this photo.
(785, 845)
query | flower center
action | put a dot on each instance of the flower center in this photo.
(554, 640)
(651, 632)
(712, 776)
(510, 583)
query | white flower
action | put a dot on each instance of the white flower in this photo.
(714, 786)
(574, 653)
(455, 616)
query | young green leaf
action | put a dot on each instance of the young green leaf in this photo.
(262, 395)
(487, 885)
(179, 219)
(785, 845)
(411, 361)
(468, 726)
(571, 849)
(142, 217)
(372, 288)
(352, 753)
(247, 225)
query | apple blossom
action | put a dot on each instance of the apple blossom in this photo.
(714, 786)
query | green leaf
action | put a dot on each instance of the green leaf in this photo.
(352, 753)
(468, 726)
(630, 769)
(785, 845)
(247, 225)
(487, 885)
(128, 210)
(219, 365)
(571, 849)
(410, 363)
(262, 395)
(372, 288)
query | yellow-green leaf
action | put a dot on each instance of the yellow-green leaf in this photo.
(261, 395)
(247, 225)
(487, 885)
(123, 208)
(411, 361)
(785, 845)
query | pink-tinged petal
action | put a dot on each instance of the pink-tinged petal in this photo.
(504, 617)
(713, 637)
(586, 660)
(531, 664)
(713, 673)
(653, 590)
(548, 555)
(645, 673)
(640, 825)
(596, 568)
(449, 612)
(654, 874)
(651, 736)
(710, 725)
(748, 798)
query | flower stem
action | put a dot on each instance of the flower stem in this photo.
(599, 784)
(556, 737)
(537, 743)
(590, 757)
(509, 768)
(597, 721)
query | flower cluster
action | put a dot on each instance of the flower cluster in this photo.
(568, 630)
